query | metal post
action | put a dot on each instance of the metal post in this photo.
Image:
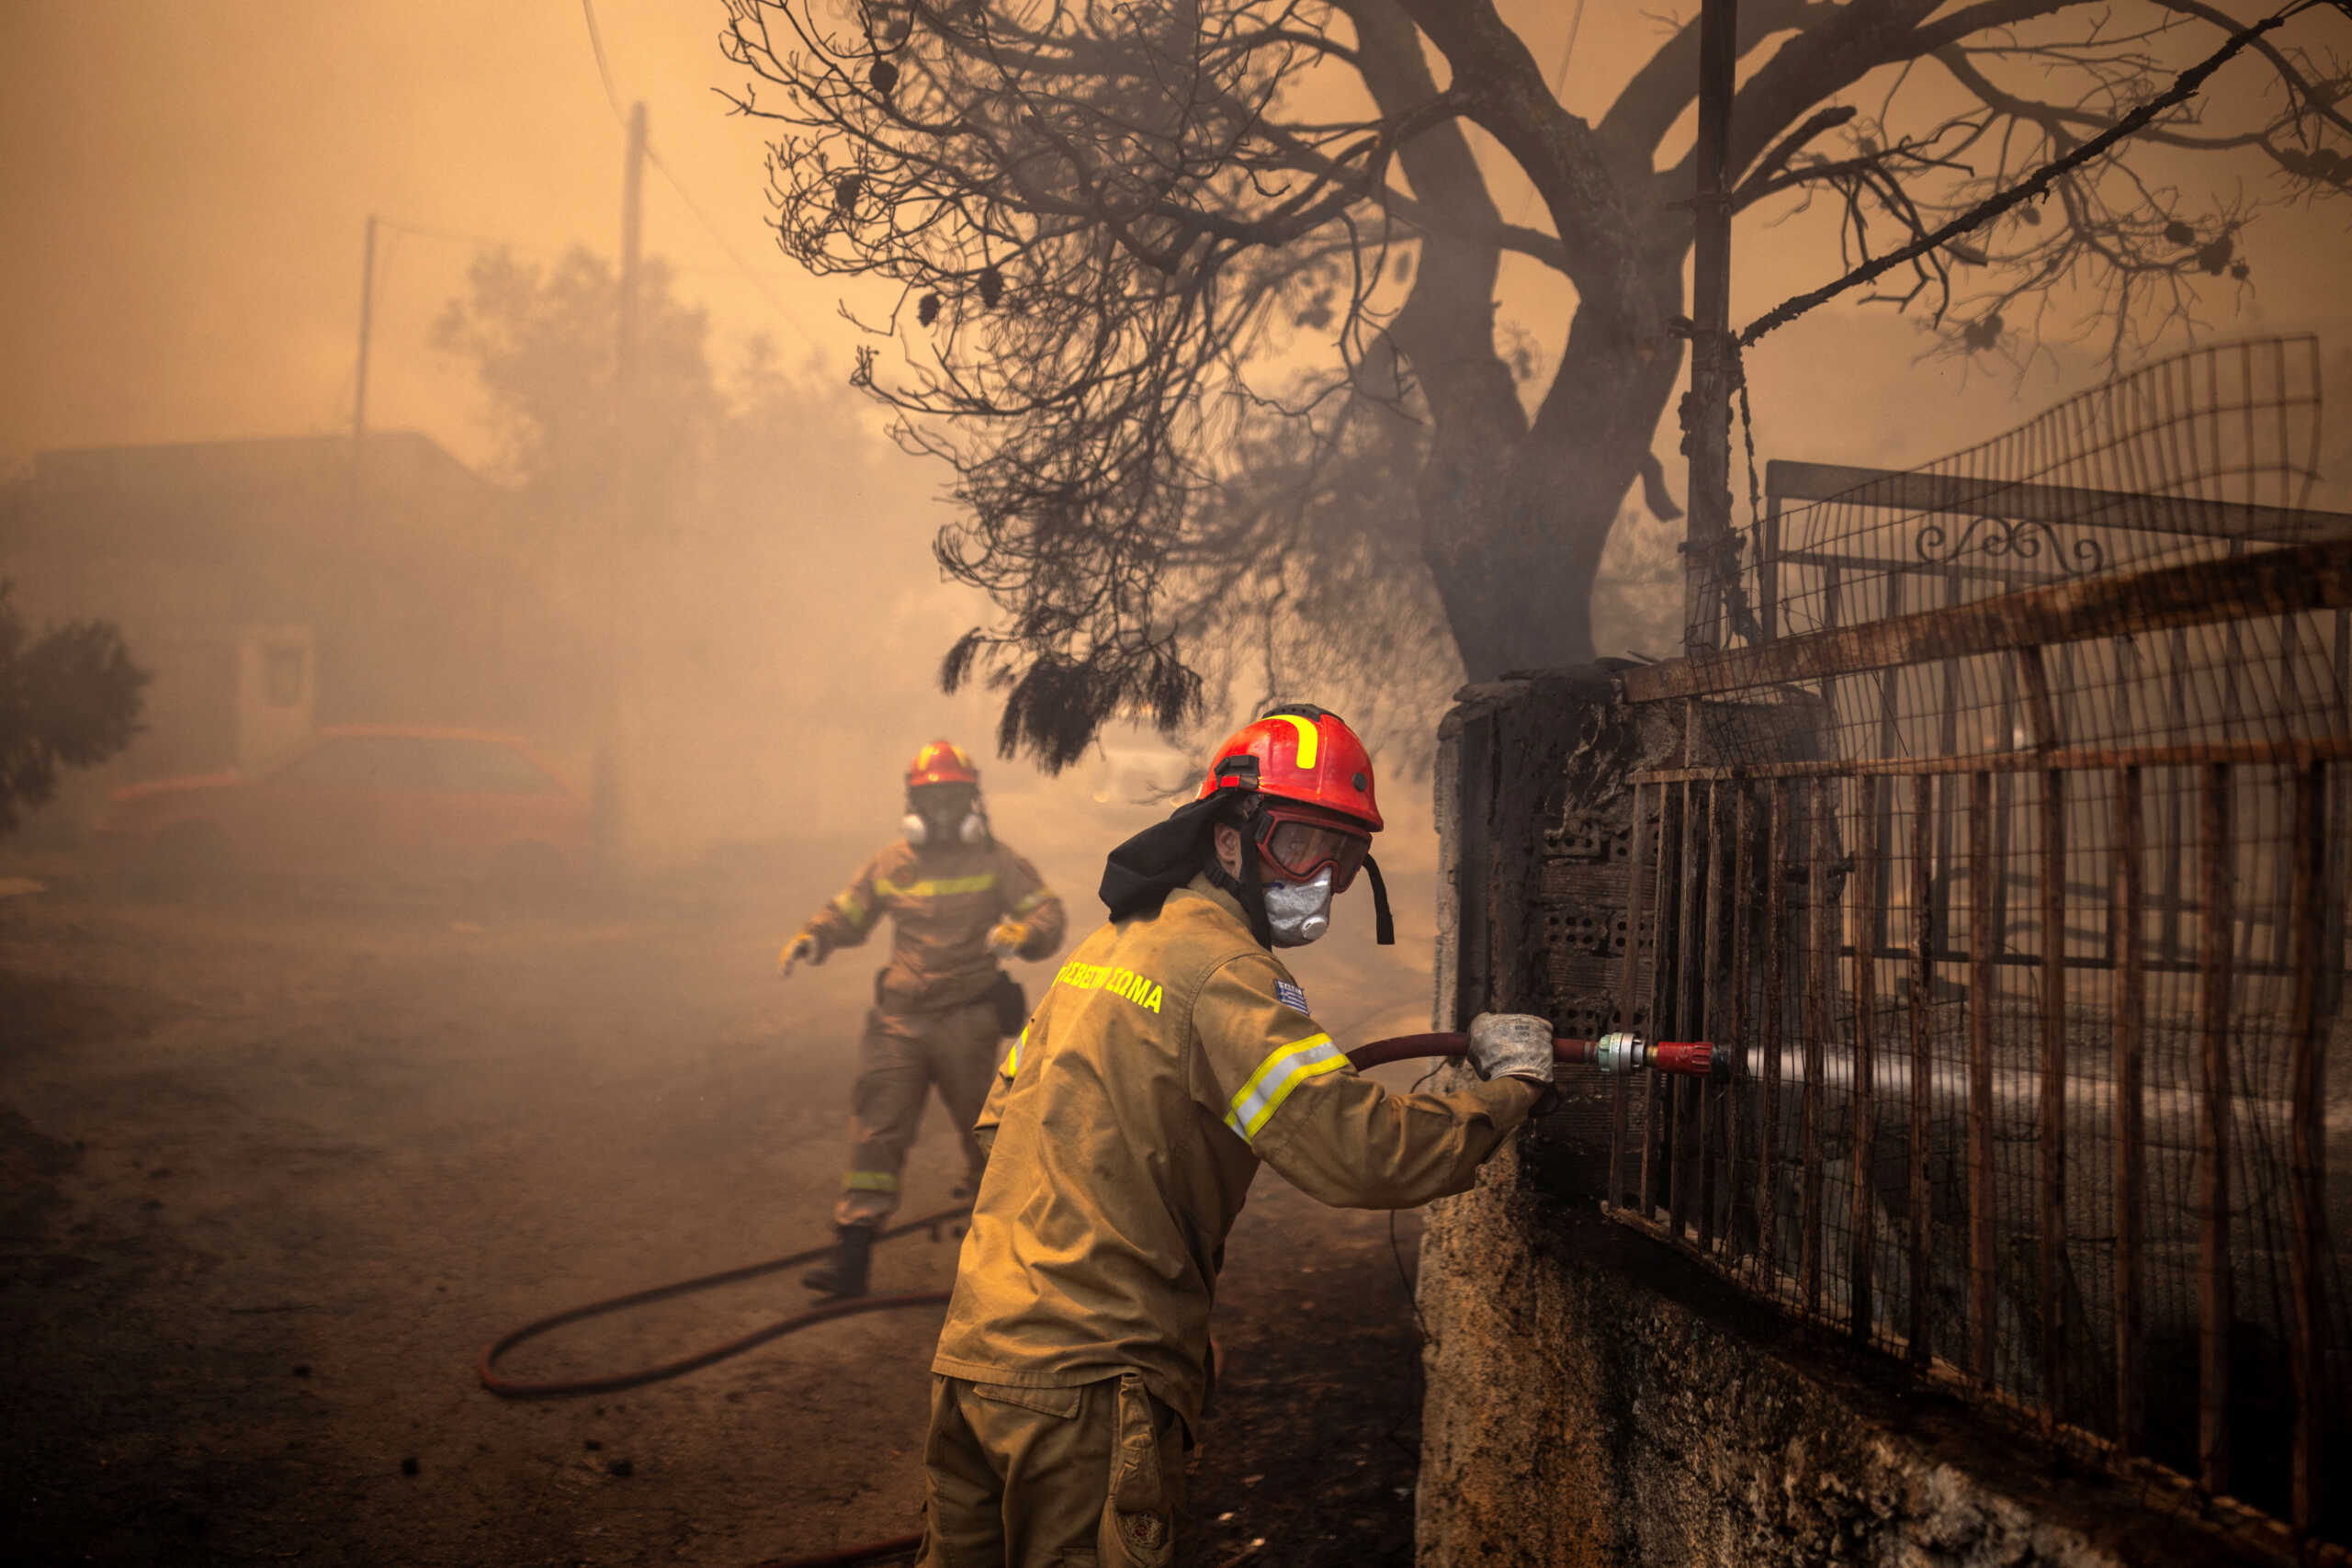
(1664, 964)
(2130, 1038)
(1780, 948)
(1862, 1196)
(2051, 1224)
(1737, 1024)
(625, 486)
(1708, 422)
(1689, 998)
(1923, 985)
(1982, 948)
(2307, 1170)
(1820, 976)
(1715, 903)
(359, 388)
(1632, 1018)
(2216, 853)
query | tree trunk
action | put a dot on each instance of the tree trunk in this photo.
(1514, 520)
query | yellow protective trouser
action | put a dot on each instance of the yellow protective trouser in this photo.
(1085, 1477)
(900, 1056)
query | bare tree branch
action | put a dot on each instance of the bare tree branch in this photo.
(1162, 281)
(2183, 88)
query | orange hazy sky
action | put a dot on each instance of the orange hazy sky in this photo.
(187, 184)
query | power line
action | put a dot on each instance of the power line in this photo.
(613, 98)
(461, 237)
(1560, 75)
(603, 71)
(741, 265)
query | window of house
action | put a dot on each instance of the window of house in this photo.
(281, 676)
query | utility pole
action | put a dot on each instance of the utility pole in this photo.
(632, 217)
(627, 479)
(359, 391)
(1706, 423)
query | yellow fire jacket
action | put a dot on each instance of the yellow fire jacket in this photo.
(943, 906)
(1171, 1057)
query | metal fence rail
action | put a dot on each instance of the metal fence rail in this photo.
(2020, 906)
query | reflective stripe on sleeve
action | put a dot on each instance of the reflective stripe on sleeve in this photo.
(852, 907)
(870, 1181)
(1042, 895)
(1012, 1057)
(935, 886)
(1276, 1077)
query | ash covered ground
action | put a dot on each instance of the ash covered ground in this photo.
(276, 1167)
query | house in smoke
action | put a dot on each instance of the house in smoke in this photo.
(277, 584)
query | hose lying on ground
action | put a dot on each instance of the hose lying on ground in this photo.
(1373, 1053)
(485, 1365)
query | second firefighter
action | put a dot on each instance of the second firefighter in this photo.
(959, 902)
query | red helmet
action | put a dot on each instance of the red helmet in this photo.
(942, 761)
(1299, 753)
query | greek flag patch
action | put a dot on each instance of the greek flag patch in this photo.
(1290, 996)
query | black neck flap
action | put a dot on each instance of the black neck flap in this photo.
(1142, 872)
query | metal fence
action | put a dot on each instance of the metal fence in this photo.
(2008, 859)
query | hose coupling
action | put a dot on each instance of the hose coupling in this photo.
(1619, 1053)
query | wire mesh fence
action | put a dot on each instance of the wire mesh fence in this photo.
(2008, 858)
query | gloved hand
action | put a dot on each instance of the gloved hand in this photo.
(1007, 938)
(1515, 1045)
(800, 949)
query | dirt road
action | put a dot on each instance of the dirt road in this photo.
(272, 1172)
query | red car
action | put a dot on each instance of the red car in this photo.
(377, 801)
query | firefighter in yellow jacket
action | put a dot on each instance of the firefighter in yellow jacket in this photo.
(960, 901)
(1173, 1054)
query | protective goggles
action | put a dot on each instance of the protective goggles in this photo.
(1299, 845)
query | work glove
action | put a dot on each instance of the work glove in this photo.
(1515, 1045)
(800, 949)
(1007, 938)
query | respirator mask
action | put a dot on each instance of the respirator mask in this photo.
(940, 815)
(1299, 912)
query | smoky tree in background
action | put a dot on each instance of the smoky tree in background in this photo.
(715, 445)
(1137, 244)
(754, 601)
(542, 343)
(68, 698)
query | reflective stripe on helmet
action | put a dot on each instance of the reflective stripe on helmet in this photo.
(1307, 737)
(1276, 1077)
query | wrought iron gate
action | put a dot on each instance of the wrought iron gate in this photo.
(2008, 860)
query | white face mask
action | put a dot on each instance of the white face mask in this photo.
(1299, 912)
(972, 829)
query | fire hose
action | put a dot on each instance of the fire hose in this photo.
(1610, 1054)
